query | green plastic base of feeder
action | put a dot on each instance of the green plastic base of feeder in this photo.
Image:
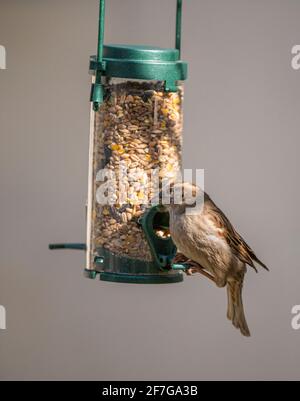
(141, 278)
(135, 278)
(92, 274)
(120, 269)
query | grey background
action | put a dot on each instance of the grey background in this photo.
(241, 125)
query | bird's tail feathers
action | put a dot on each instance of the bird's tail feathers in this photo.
(255, 258)
(235, 312)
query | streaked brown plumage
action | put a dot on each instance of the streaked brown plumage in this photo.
(214, 248)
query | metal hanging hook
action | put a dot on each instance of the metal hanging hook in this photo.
(178, 26)
(97, 88)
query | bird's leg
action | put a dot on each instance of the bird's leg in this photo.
(196, 268)
(209, 276)
(179, 258)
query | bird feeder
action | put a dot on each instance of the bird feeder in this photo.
(135, 146)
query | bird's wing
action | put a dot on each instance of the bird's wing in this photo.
(238, 245)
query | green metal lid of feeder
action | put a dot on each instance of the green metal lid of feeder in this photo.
(137, 62)
(141, 62)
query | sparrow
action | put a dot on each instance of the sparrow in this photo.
(208, 243)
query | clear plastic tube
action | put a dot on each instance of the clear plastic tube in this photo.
(136, 139)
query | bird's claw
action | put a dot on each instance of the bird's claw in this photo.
(192, 267)
(179, 258)
(191, 270)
